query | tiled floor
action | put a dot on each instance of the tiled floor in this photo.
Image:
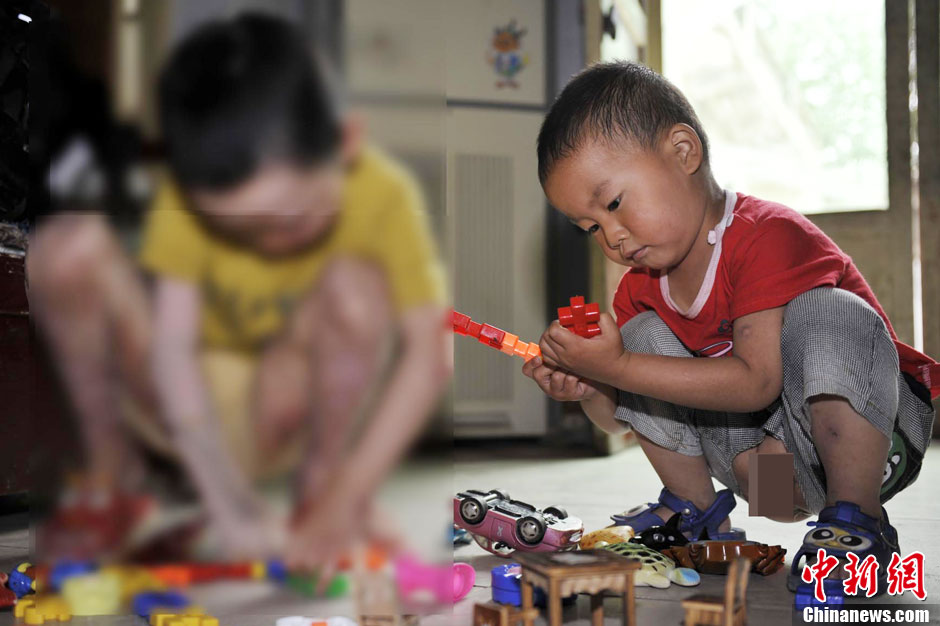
(590, 488)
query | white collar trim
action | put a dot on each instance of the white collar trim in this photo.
(731, 198)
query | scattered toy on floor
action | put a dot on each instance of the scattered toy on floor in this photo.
(500, 615)
(189, 618)
(22, 580)
(502, 526)
(656, 569)
(606, 536)
(506, 586)
(714, 557)
(661, 537)
(447, 583)
(42, 608)
(296, 620)
(460, 536)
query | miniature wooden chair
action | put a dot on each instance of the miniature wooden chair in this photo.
(492, 614)
(728, 611)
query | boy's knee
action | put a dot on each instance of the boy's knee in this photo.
(832, 311)
(68, 254)
(647, 333)
(356, 299)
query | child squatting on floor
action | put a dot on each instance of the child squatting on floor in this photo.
(805, 359)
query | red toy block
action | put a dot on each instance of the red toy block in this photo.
(592, 313)
(473, 329)
(580, 318)
(492, 336)
(460, 322)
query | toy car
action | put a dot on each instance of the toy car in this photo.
(501, 525)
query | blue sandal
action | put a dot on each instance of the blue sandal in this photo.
(841, 529)
(693, 521)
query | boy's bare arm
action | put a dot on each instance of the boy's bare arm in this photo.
(749, 380)
(185, 404)
(404, 405)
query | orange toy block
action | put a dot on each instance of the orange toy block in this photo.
(509, 343)
(533, 351)
(521, 348)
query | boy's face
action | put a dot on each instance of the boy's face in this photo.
(643, 207)
(280, 210)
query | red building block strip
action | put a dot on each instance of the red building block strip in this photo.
(460, 322)
(473, 329)
(492, 336)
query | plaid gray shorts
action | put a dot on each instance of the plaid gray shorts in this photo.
(832, 343)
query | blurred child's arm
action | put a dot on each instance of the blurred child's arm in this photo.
(185, 404)
(750, 380)
(405, 404)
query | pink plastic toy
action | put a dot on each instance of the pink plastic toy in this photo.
(446, 583)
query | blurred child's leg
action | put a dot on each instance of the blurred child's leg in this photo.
(324, 368)
(91, 306)
(845, 403)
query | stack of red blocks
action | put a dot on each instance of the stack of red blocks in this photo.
(494, 337)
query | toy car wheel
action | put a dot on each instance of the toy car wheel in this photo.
(473, 510)
(557, 511)
(502, 494)
(530, 530)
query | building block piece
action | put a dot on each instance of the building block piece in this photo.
(460, 322)
(146, 604)
(580, 318)
(474, 329)
(770, 485)
(533, 351)
(509, 343)
(520, 348)
(592, 313)
(492, 336)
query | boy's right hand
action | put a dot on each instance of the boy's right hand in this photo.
(559, 384)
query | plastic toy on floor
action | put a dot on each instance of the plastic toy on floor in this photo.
(606, 536)
(447, 583)
(43, 608)
(460, 536)
(501, 525)
(656, 569)
(22, 580)
(714, 557)
(297, 620)
(7, 598)
(661, 537)
(506, 585)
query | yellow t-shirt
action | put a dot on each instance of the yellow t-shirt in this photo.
(246, 296)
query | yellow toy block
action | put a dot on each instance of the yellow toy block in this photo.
(509, 343)
(175, 619)
(94, 594)
(42, 608)
(259, 570)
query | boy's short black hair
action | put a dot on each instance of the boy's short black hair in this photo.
(618, 100)
(237, 92)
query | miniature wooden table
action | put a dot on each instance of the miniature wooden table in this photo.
(561, 574)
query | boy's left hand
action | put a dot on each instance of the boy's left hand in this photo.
(595, 358)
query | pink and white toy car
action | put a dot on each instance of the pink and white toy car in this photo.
(502, 525)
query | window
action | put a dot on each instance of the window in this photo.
(792, 96)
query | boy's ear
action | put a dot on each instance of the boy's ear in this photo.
(353, 135)
(687, 146)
